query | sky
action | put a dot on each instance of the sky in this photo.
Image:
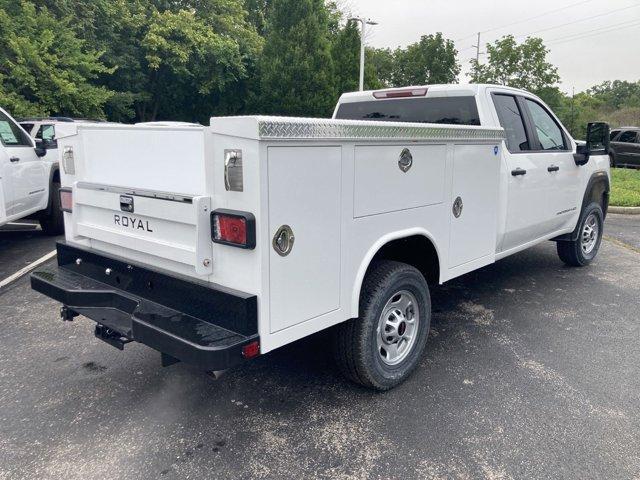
(590, 41)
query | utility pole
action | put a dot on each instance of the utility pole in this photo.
(364, 22)
(478, 53)
(573, 97)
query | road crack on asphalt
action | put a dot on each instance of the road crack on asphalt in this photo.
(620, 243)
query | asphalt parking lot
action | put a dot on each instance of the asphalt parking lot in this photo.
(532, 371)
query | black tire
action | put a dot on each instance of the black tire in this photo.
(572, 252)
(355, 342)
(612, 160)
(52, 219)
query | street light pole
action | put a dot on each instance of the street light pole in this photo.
(364, 22)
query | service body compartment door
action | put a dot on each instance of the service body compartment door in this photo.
(305, 194)
(474, 203)
(384, 184)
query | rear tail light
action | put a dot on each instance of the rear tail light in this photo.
(413, 92)
(251, 350)
(66, 200)
(230, 227)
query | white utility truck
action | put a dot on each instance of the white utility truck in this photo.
(216, 244)
(29, 181)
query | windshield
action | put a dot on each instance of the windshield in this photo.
(448, 110)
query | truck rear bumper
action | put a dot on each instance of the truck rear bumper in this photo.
(208, 326)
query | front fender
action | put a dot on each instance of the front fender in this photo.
(598, 190)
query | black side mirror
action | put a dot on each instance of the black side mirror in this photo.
(581, 157)
(40, 149)
(597, 143)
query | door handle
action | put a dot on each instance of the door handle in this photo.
(518, 171)
(553, 168)
(14, 159)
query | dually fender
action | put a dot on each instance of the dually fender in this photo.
(598, 188)
(375, 248)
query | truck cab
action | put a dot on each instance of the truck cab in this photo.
(541, 185)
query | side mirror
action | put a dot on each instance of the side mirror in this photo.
(597, 143)
(40, 151)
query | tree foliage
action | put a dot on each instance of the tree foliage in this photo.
(517, 65)
(44, 67)
(432, 60)
(296, 68)
(131, 60)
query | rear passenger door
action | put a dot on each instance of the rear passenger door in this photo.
(527, 186)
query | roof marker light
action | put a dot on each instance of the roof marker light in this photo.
(415, 92)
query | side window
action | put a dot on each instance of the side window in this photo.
(11, 135)
(27, 126)
(614, 134)
(511, 120)
(46, 133)
(549, 132)
(628, 137)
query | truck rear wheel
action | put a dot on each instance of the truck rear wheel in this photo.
(582, 251)
(52, 219)
(383, 346)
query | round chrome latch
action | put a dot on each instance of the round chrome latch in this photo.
(406, 160)
(457, 207)
(283, 240)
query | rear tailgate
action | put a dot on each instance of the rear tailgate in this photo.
(142, 190)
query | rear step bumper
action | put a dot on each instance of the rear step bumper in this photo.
(205, 325)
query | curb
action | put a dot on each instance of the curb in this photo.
(625, 210)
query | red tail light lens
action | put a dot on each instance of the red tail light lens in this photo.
(237, 229)
(66, 200)
(251, 350)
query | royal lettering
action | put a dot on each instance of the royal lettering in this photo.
(131, 222)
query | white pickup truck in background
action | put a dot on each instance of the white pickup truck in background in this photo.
(29, 179)
(216, 244)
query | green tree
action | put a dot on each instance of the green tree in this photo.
(296, 68)
(186, 58)
(516, 65)
(44, 67)
(617, 94)
(381, 62)
(431, 60)
(345, 52)
(178, 59)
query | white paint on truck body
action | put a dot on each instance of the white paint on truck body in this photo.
(336, 183)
